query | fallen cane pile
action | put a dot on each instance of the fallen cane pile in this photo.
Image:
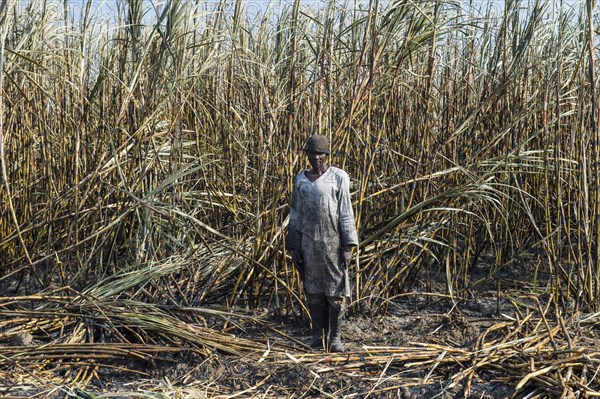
(538, 352)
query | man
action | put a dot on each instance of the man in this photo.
(321, 235)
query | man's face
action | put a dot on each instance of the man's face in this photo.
(316, 159)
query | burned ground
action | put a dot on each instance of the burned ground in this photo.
(491, 341)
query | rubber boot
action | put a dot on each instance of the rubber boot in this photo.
(335, 321)
(319, 316)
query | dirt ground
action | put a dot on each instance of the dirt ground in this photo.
(412, 320)
(234, 375)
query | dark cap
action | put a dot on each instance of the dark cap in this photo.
(317, 143)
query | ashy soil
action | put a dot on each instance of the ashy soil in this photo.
(416, 319)
(368, 370)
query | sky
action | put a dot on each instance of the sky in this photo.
(253, 8)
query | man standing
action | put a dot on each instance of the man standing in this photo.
(321, 235)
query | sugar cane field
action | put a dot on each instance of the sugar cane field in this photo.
(147, 150)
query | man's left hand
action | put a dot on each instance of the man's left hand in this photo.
(347, 256)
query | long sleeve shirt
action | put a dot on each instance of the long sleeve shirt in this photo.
(321, 224)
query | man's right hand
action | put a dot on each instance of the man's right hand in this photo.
(298, 262)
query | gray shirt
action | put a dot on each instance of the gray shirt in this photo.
(321, 224)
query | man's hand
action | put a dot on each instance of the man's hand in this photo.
(347, 256)
(297, 261)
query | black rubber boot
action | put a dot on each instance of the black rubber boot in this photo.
(335, 321)
(320, 317)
